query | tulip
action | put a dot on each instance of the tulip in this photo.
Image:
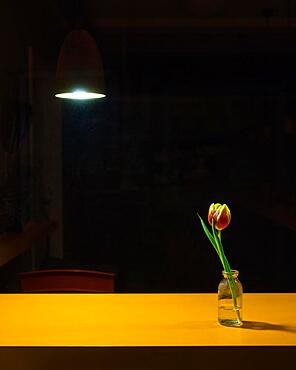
(219, 218)
(220, 214)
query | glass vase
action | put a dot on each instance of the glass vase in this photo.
(230, 299)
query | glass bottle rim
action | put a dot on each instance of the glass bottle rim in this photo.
(233, 272)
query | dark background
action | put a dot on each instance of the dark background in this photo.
(200, 108)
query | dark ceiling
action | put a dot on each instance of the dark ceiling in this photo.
(157, 25)
(96, 10)
(52, 17)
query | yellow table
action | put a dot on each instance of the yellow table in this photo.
(143, 331)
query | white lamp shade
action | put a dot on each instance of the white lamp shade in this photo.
(80, 69)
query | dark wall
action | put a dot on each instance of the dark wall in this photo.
(193, 116)
(178, 132)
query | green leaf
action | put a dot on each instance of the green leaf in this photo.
(210, 236)
(206, 230)
(219, 246)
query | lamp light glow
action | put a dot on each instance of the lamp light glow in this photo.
(80, 95)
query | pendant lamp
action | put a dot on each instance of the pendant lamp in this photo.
(80, 69)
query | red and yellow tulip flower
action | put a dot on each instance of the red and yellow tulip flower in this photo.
(220, 214)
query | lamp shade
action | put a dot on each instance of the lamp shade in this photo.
(80, 69)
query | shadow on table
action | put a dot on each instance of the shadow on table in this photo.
(259, 325)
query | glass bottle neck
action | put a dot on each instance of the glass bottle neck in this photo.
(234, 274)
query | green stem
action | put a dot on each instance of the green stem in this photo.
(225, 263)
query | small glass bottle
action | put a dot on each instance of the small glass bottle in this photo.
(229, 308)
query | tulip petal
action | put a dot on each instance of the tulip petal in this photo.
(222, 217)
